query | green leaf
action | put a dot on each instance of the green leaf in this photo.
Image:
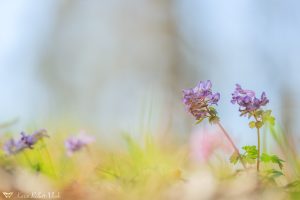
(250, 154)
(258, 113)
(265, 158)
(258, 124)
(212, 110)
(249, 160)
(252, 124)
(272, 120)
(250, 115)
(273, 173)
(37, 167)
(243, 113)
(213, 119)
(272, 158)
(268, 118)
(234, 158)
(277, 160)
(251, 151)
(134, 148)
(293, 184)
(199, 121)
(268, 112)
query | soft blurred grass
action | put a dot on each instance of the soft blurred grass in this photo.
(143, 168)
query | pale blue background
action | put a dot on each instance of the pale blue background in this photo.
(108, 63)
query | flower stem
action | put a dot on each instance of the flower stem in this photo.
(28, 159)
(49, 159)
(258, 150)
(258, 144)
(231, 142)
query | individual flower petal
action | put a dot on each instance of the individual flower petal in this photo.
(215, 98)
(264, 100)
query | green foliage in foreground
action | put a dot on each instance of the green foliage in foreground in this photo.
(149, 167)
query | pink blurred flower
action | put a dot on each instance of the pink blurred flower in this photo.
(204, 142)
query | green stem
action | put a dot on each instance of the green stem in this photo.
(49, 158)
(27, 159)
(258, 150)
(258, 143)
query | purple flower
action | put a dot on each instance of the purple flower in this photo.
(75, 143)
(26, 141)
(199, 98)
(30, 140)
(247, 100)
(11, 147)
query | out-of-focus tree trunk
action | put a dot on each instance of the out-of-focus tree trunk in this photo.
(99, 51)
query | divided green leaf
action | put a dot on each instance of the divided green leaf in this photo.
(273, 173)
(250, 154)
(273, 159)
(268, 118)
(251, 151)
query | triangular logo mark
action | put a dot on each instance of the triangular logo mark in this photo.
(7, 194)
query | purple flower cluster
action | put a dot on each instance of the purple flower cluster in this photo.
(75, 143)
(199, 98)
(26, 141)
(247, 100)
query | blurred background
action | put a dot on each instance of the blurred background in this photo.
(121, 65)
